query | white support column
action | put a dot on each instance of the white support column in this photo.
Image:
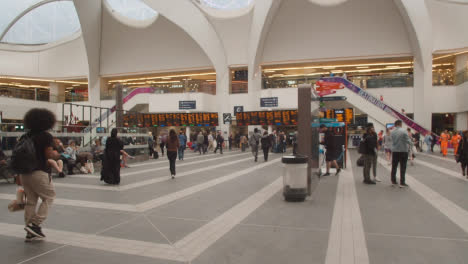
(222, 98)
(422, 98)
(461, 121)
(56, 92)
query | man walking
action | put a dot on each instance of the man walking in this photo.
(254, 141)
(401, 143)
(219, 143)
(200, 140)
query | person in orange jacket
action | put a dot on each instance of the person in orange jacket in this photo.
(444, 139)
(455, 142)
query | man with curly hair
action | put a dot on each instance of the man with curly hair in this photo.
(38, 184)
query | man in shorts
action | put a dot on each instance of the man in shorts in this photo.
(332, 150)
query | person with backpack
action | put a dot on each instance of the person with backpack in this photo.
(254, 141)
(173, 145)
(183, 144)
(370, 148)
(30, 159)
(219, 143)
(332, 150)
(266, 144)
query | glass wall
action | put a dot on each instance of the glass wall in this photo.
(369, 73)
(443, 69)
(181, 82)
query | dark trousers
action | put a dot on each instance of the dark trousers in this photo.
(162, 148)
(402, 159)
(370, 161)
(172, 155)
(265, 153)
(220, 147)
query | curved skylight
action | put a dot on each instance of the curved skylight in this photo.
(46, 23)
(226, 4)
(134, 9)
(14, 9)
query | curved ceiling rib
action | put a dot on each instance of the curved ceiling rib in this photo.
(22, 14)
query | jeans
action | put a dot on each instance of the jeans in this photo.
(370, 161)
(402, 159)
(181, 152)
(172, 155)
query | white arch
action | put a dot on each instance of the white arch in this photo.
(188, 17)
(25, 12)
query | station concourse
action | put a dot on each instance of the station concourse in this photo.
(285, 87)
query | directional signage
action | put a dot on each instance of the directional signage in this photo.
(238, 109)
(269, 102)
(227, 118)
(187, 105)
(329, 98)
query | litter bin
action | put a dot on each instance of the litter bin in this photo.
(294, 178)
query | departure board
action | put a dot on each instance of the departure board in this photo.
(213, 119)
(162, 120)
(340, 115)
(278, 118)
(262, 118)
(240, 119)
(349, 116)
(293, 117)
(134, 119)
(206, 119)
(184, 120)
(192, 119)
(176, 119)
(246, 118)
(254, 118)
(154, 120)
(270, 119)
(148, 121)
(286, 117)
(330, 113)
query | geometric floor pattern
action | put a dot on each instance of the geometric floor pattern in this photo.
(229, 209)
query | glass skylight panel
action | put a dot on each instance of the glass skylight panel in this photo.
(10, 9)
(226, 4)
(134, 9)
(47, 23)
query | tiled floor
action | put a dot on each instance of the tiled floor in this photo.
(229, 209)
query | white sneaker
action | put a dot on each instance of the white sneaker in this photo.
(377, 179)
(83, 170)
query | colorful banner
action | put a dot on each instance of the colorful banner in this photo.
(325, 85)
(375, 101)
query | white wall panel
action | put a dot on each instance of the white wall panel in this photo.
(62, 61)
(304, 31)
(448, 24)
(161, 46)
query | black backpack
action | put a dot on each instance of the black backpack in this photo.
(23, 158)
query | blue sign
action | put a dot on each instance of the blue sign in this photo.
(187, 105)
(269, 102)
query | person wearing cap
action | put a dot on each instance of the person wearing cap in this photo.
(370, 154)
(332, 150)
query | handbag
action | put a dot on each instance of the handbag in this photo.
(89, 167)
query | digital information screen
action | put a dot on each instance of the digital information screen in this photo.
(262, 118)
(206, 119)
(286, 118)
(293, 114)
(213, 119)
(342, 115)
(277, 115)
(240, 119)
(254, 118)
(270, 120)
(279, 118)
(246, 118)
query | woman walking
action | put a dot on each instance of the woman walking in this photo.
(387, 144)
(462, 153)
(266, 144)
(172, 145)
(110, 172)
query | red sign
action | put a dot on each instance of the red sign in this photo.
(325, 86)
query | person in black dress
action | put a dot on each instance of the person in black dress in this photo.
(110, 172)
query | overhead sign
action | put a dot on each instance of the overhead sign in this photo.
(227, 118)
(269, 102)
(238, 109)
(329, 98)
(322, 85)
(187, 105)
